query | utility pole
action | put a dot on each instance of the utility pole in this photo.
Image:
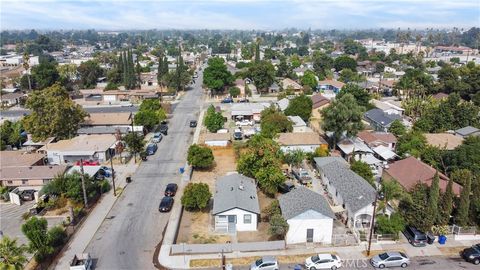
(134, 134)
(372, 224)
(113, 177)
(83, 184)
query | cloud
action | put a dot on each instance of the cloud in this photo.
(238, 14)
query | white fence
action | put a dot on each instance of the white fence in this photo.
(226, 248)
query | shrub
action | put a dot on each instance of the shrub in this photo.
(278, 226)
(234, 91)
(200, 157)
(392, 225)
(104, 186)
(196, 196)
(57, 236)
(271, 210)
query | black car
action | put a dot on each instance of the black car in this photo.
(415, 237)
(166, 204)
(163, 128)
(193, 123)
(171, 189)
(286, 187)
(227, 100)
(28, 195)
(471, 254)
(151, 149)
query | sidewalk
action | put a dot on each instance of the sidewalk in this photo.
(89, 227)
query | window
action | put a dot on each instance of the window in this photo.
(24, 182)
(10, 182)
(247, 219)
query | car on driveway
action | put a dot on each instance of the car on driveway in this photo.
(415, 237)
(193, 123)
(244, 123)
(265, 263)
(157, 137)
(323, 261)
(171, 189)
(286, 187)
(237, 134)
(28, 195)
(166, 204)
(472, 254)
(227, 100)
(390, 259)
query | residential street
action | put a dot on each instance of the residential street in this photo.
(99, 109)
(128, 236)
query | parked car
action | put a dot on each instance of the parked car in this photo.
(163, 128)
(227, 100)
(302, 176)
(471, 254)
(265, 263)
(193, 123)
(237, 134)
(81, 261)
(157, 137)
(166, 204)
(243, 100)
(390, 259)
(28, 195)
(286, 187)
(171, 189)
(415, 237)
(323, 261)
(151, 149)
(244, 122)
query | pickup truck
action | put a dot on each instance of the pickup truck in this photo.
(302, 176)
(81, 261)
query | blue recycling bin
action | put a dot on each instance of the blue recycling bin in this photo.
(297, 267)
(442, 239)
(182, 170)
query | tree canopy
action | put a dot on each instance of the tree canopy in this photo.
(263, 74)
(216, 76)
(200, 157)
(196, 196)
(361, 95)
(213, 120)
(273, 122)
(89, 72)
(345, 62)
(300, 106)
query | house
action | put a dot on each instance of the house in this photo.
(31, 176)
(408, 172)
(332, 85)
(387, 107)
(288, 83)
(282, 104)
(467, 131)
(217, 139)
(309, 216)
(300, 71)
(87, 147)
(374, 139)
(108, 119)
(379, 120)
(445, 141)
(307, 142)
(384, 153)
(250, 111)
(274, 88)
(352, 195)
(12, 99)
(298, 124)
(18, 158)
(319, 102)
(353, 148)
(235, 204)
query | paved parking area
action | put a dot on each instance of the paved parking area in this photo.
(11, 220)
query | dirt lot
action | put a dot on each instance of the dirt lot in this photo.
(197, 227)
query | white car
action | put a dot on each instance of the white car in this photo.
(244, 123)
(323, 261)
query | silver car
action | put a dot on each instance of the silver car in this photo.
(265, 263)
(390, 259)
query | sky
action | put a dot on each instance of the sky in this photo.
(238, 14)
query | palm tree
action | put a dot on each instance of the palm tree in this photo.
(12, 255)
(26, 66)
(390, 190)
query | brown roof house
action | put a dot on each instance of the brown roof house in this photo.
(288, 83)
(305, 141)
(18, 158)
(443, 140)
(374, 139)
(100, 147)
(32, 176)
(408, 172)
(108, 119)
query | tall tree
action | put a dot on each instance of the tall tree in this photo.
(257, 52)
(446, 204)
(433, 198)
(263, 74)
(361, 95)
(343, 115)
(53, 113)
(413, 207)
(12, 256)
(216, 76)
(463, 176)
(36, 231)
(300, 106)
(26, 66)
(89, 72)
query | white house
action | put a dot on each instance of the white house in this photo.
(306, 142)
(235, 204)
(217, 139)
(308, 215)
(249, 111)
(99, 147)
(388, 107)
(299, 125)
(352, 194)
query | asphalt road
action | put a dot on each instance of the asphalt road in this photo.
(128, 236)
(100, 109)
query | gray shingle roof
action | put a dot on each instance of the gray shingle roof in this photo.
(235, 191)
(355, 191)
(380, 117)
(102, 130)
(300, 200)
(466, 130)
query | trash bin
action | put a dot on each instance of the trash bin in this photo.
(297, 267)
(228, 266)
(182, 170)
(430, 238)
(442, 239)
(129, 179)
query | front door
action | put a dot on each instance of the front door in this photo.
(309, 235)
(232, 219)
